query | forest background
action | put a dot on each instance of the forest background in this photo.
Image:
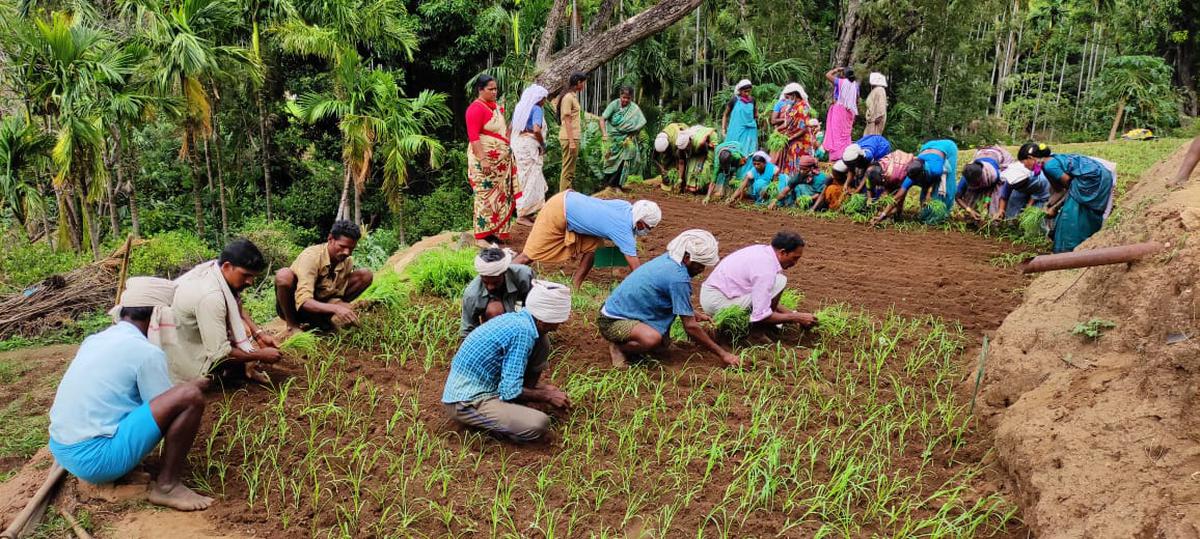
(194, 121)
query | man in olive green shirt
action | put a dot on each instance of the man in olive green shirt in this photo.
(319, 286)
(570, 131)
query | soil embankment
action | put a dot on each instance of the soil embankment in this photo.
(1100, 437)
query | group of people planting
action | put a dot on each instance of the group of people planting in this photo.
(141, 381)
(801, 166)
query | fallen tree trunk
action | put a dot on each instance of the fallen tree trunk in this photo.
(596, 50)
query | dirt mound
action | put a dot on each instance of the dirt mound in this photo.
(1098, 435)
(923, 272)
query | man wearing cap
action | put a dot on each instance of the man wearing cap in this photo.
(752, 278)
(498, 289)
(574, 225)
(636, 318)
(877, 105)
(493, 369)
(116, 402)
(808, 181)
(1019, 188)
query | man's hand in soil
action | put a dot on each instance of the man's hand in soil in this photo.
(702, 318)
(805, 319)
(267, 355)
(731, 360)
(267, 340)
(556, 397)
(343, 315)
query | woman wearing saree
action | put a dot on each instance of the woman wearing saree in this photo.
(698, 172)
(981, 180)
(622, 121)
(839, 120)
(528, 138)
(794, 125)
(1089, 183)
(935, 171)
(490, 167)
(740, 122)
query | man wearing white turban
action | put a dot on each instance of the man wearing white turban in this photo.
(116, 402)
(499, 288)
(574, 225)
(752, 278)
(636, 318)
(494, 368)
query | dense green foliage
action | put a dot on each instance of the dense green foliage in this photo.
(169, 254)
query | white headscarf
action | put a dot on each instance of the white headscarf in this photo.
(840, 166)
(852, 152)
(646, 212)
(529, 98)
(549, 302)
(764, 155)
(661, 142)
(150, 292)
(741, 84)
(1015, 173)
(494, 268)
(700, 244)
(684, 137)
(793, 88)
(877, 79)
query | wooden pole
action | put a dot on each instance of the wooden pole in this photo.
(36, 505)
(125, 255)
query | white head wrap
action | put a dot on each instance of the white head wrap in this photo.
(793, 88)
(684, 138)
(877, 79)
(151, 292)
(852, 152)
(549, 302)
(840, 166)
(661, 142)
(700, 244)
(764, 155)
(741, 84)
(813, 122)
(492, 269)
(520, 117)
(1015, 173)
(646, 212)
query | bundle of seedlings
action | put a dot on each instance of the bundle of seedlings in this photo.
(776, 142)
(733, 322)
(442, 272)
(1032, 222)
(855, 205)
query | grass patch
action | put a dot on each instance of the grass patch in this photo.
(71, 332)
(442, 272)
(1093, 329)
(22, 434)
(791, 299)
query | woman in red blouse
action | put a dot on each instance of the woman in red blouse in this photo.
(490, 169)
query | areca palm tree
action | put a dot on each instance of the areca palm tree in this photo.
(752, 59)
(22, 157)
(405, 138)
(189, 45)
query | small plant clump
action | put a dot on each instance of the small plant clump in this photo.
(1093, 329)
(935, 212)
(388, 287)
(882, 202)
(791, 299)
(832, 320)
(302, 344)
(443, 272)
(776, 141)
(856, 204)
(677, 333)
(733, 322)
(804, 202)
(1032, 222)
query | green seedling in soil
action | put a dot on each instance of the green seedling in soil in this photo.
(804, 202)
(791, 299)
(388, 288)
(677, 333)
(855, 205)
(935, 211)
(302, 344)
(733, 322)
(1008, 260)
(1032, 221)
(1093, 329)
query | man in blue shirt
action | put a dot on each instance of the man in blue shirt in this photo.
(116, 402)
(491, 372)
(637, 317)
(575, 225)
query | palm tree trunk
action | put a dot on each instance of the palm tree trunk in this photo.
(197, 203)
(357, 207)
(266, 150)
(343, 209)
(220, 193)
(89, 226)
(134, 218)
(113, 187)
(1112, 133)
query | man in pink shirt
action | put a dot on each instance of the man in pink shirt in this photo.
(752, 278)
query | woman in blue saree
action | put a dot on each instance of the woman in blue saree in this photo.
(1089, 185)
(740, 122)
(935, 171)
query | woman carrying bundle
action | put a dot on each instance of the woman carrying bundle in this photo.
(622, 121)
(793, 124)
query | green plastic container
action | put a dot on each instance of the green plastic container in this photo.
(610, 257)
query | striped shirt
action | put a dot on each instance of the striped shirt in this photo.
(491, 361)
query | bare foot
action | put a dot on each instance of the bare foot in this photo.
(179, 497)
(618, 357)
(255, 375)
(525, 221)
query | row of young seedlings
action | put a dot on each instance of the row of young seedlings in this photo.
(825, 436)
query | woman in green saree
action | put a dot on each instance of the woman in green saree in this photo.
(623, 121)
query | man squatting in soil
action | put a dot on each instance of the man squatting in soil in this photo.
(116, 402)
(318, 287)
(636, 318)
(494, 370)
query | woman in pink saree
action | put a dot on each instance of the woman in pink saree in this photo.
(839, 121)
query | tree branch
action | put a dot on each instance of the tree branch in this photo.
(594, 51)
(553, 20)
(603, 15)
